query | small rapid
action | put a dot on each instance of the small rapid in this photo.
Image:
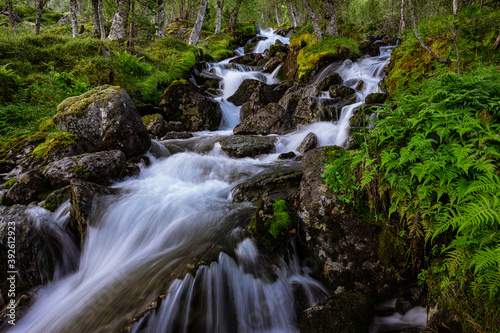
(174, 231)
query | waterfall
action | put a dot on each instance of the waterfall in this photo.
(178, 212)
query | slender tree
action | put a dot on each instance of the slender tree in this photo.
(131, 33)
(276, 11)
(195, 33)
(293, 20)
(233, 20)
(220, 7)
(11, 17)
(415, 30)
(160, 20)
(497, 42)
(119, 26)
(318, 35)
(95, 15)
(73, 7)
(101, 20)
(39, 11)
(332, 28)
(402, 25)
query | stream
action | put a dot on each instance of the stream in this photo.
(174, 219)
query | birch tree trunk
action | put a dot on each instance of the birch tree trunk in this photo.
(402, 25)
(455, 8)
(218, 26)
(119, 26)
(234, 15)
(39, 11)
(317, 31)
(293, 20)
(195, 33)
(160, 21)
(131, 33)
(296, 12)
(263, 17)
(101, 20)
(74, 22)
(11, 17)
(277, 14)
(97, 21)
(332, 28)
(62, 8)
(497, 42)
(415, 30)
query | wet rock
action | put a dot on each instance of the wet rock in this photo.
(340, 92)
(312, 109)
(104, 119)
(291, 98)
(155, 124)
(38, 249)
(327, 81)
(344, 313)
(28, 187)
(287, 156)
(278, 47)
(174, 126)
(208, 80)
(255, 91)
(443, 320)
(253, 43)
(345, 249)
(290, 69)
(368, 48)
(271, 119)
(55, 199)
(309, 142)
(184, 102)
(273, 224)
(272, 64)
(215, 92)
(99, 167)
(249, 108)
(280, 186)
(375, 98)
(247, 146)
(247, 59)
(286, 32)
(84, 196)
(177, 135)
(360, 85)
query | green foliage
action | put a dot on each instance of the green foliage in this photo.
(283, 220)
(54, 141)
(8, 184)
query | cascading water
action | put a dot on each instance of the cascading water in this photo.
(178, 212)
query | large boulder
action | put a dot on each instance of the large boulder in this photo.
(279, 186)
(313, 109)
(271, 119)
(99, 167)
(28, 187)
(255, 91)
(184, 102)
(155, 125)
(329, 80)
(104, 119)
(247, 146)
(249, 108)
(344, 313)
(84, 195)
(346, 249)
(340, 92)
(309, 142)
(290, 69)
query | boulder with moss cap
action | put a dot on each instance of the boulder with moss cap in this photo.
(104, 119)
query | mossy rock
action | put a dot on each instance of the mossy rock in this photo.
(55, 141)
(57, 198)
(273, 223)
(8, 184)
(47, 126)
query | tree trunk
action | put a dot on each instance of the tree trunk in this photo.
(402, 25)
(101, 20)
(497, 42)
(296, 12)
(415, 29)
(97, 21)
(455, 8)
(293, 20)
(332, 28)
(131, 25)
(218, 26)
(277, 14)
(11, 17)
(62, 7)
(160, 21)
(74, 22)
(39, 11)
(119, 26)
(263, 17)
(317, 31)
(233, 20)
(195, 33)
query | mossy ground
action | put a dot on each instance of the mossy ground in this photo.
(53, 142)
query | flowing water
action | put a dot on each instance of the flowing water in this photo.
(177, 215)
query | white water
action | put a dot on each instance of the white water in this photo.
(143, 241)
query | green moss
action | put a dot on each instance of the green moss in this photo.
(56, 198)
(149, 118)
(76, 105)
(16, 146)
(47, 125)
(283, 220)
(8, 184)
(55, 141)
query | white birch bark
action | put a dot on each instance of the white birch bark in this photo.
(277, 14)
(74, 22)
(332, 28)
(318, 35)
(160, 21)
(11, 18)
(195, 33)
(218, 26)
(293, 20)
(119, 26)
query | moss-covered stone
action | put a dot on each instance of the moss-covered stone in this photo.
(56, 198)
(55, 141)
(47, 126)
(77, 105)
(8, 184)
